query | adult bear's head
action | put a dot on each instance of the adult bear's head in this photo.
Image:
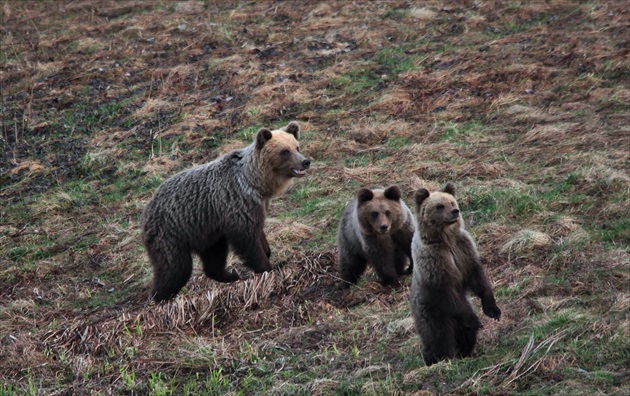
(279, 156)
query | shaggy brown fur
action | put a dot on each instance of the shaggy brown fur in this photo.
(216, 206)
(376, 227)
(446, 266)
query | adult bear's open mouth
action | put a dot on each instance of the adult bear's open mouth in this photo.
(298, 172)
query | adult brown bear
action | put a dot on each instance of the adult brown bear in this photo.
(216, 206)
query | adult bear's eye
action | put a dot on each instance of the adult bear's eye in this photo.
(285, 152)
(440, 206)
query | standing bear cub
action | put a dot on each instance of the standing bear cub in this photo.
(376, 227)
(446, 265)
(216, 206)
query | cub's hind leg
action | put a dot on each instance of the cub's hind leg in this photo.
(438, 339)
(466, 338)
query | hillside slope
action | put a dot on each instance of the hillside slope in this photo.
(523, 105)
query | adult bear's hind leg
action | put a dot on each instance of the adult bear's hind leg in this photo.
(172, 268)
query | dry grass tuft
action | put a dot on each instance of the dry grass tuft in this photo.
(199, 309)
(525, 240)
(323, 386)
(531, 358)
(522, 114)
(423, 14)
(402, 326)
(160, 165)
(527, 355)
(375, 133)
(394, 103)
(548, 135)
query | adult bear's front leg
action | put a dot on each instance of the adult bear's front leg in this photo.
(214, 259)
(265, 244)
(249, 247)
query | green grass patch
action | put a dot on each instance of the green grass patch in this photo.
(361, 81)
(358, 161)
(513, 289)
(496, 205)
(515, 26)
(463, 133)
(129, 184)
(398, 142)
(614, 232)
(396, 14)
(394, 60)
(89, 118)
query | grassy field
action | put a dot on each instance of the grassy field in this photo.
(525, 106)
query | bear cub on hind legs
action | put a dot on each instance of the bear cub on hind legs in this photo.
(446, 265)
(376, 227)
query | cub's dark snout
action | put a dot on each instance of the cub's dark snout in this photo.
(306, 163)
(455, 212)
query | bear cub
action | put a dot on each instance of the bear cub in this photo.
(446, 265)
(218, 206)
(376, 227)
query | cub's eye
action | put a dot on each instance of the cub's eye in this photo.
(285, 152)
(440, 206)
(388, 213)
(374, 215)
(298, 149)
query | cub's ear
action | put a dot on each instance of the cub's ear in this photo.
(449, 188)
(419, 196)
(293, 128)
(364, 194)
(393, 193)
(262, 136)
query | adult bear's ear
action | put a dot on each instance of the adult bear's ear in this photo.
(449, 188)
(262, 136)
(293, 128)
(393, 193)
(419, 196)
(364, 194)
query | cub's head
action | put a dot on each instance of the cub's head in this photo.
(438, 209)
(279, 151)
(380, 211)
